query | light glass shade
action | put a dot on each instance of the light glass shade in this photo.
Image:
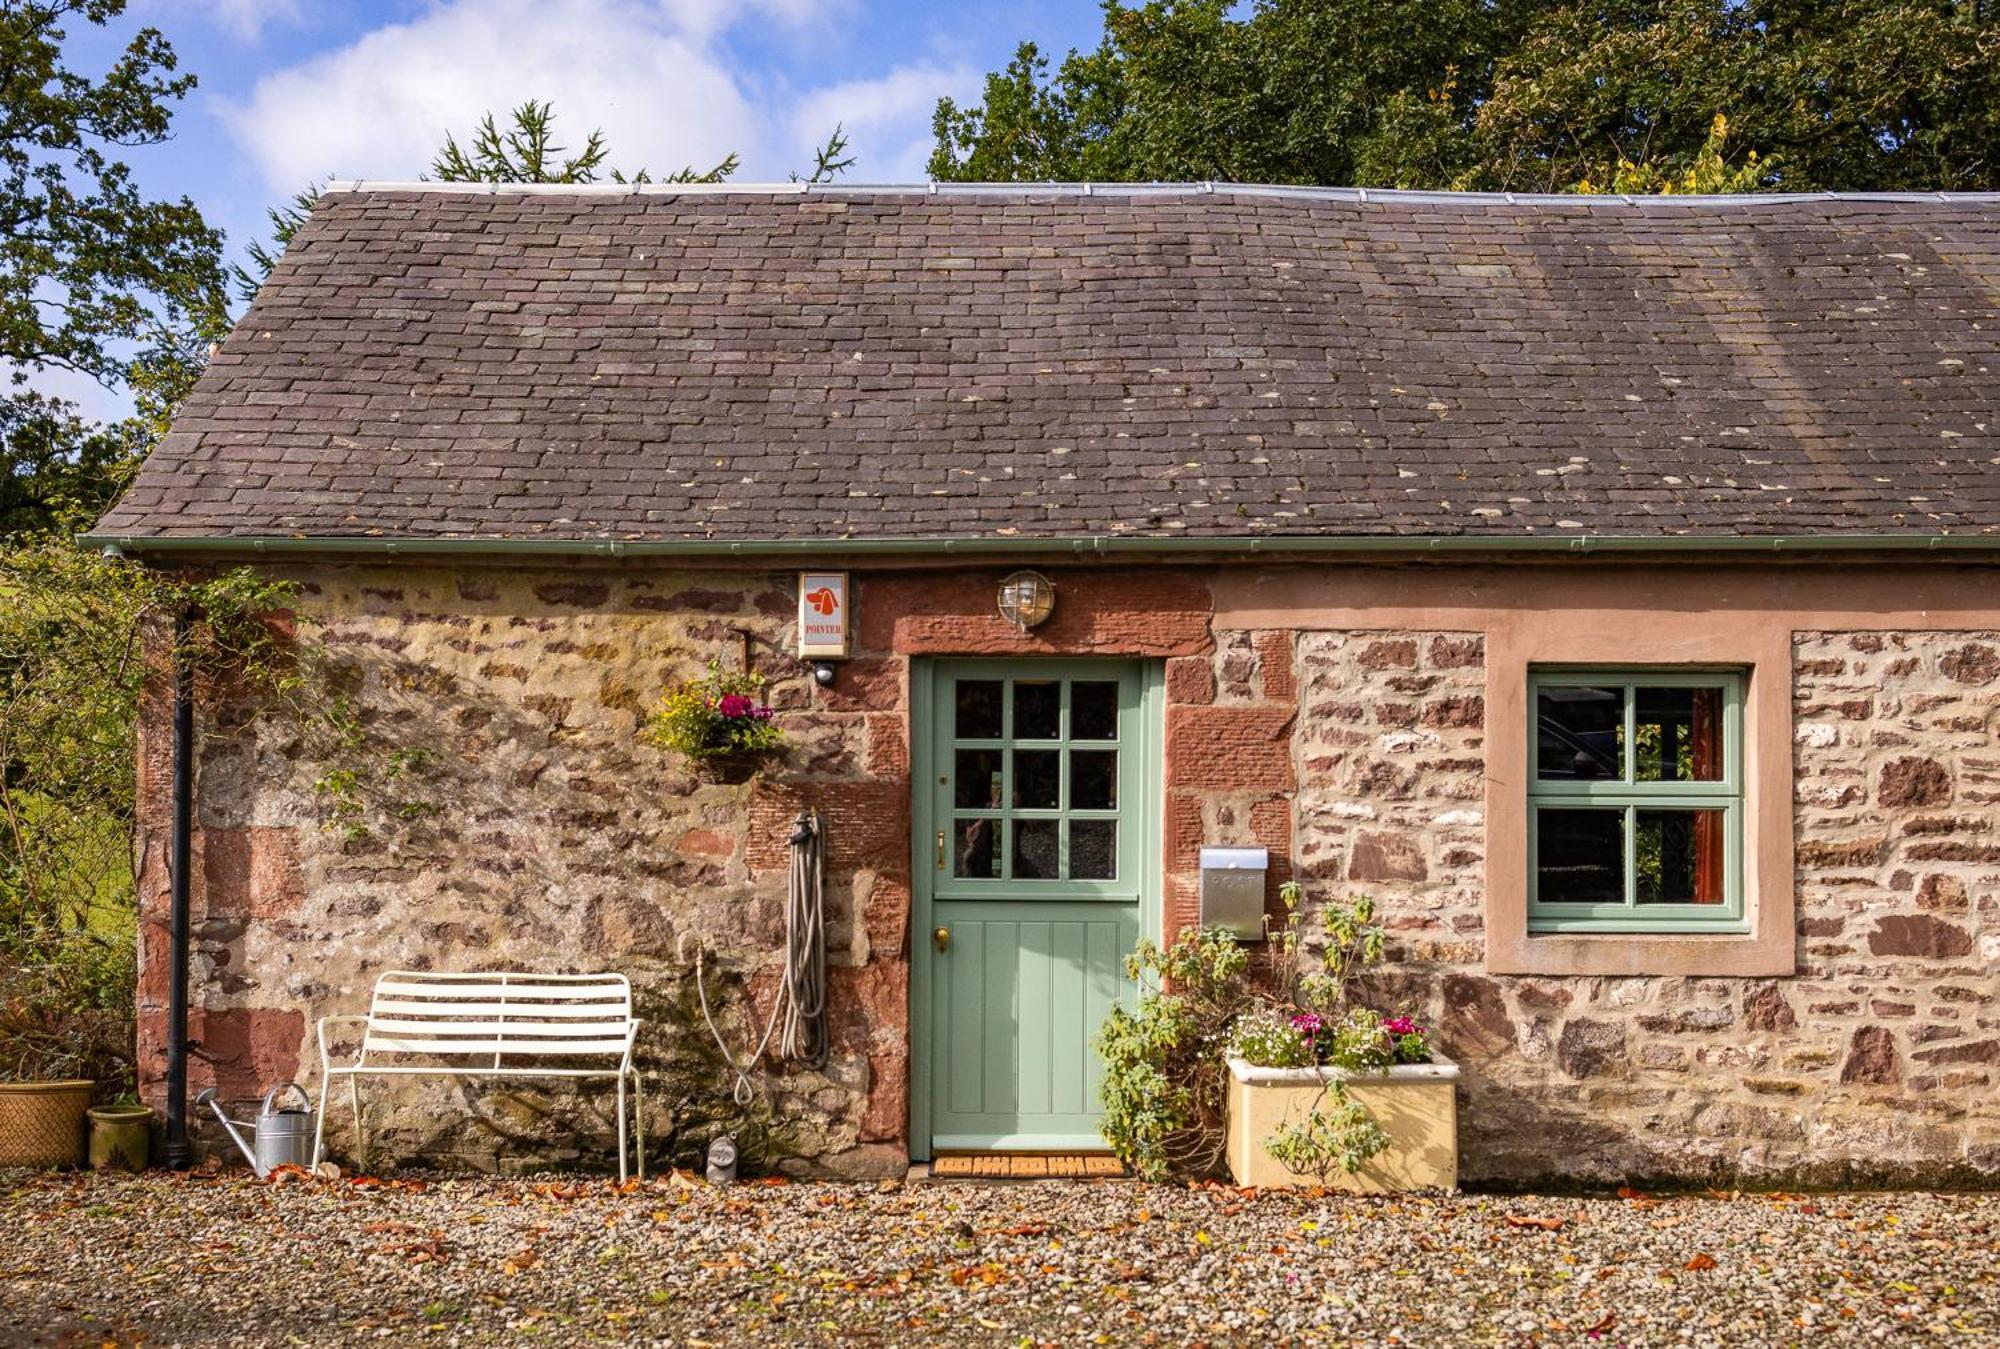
(1026, 599)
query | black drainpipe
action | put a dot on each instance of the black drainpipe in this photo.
(179, 1155)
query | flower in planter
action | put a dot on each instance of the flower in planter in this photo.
(721, 714)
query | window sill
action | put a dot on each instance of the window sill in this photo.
(1681, 953)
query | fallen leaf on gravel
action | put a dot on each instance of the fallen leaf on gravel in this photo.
(372, 1228)
(1604, 1326)
(524, 1258)
(1702, 1260)
(1543, 1224)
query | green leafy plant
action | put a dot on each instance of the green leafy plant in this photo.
(720, 714)
(1205, 998)
(1165, 1071)
(1336, 1135)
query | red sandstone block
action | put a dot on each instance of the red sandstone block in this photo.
(867, 823)
(1184, 830)
(1274, 654)
(887, 915)
(1230, 748)
(705, 843)
(243, 1050)
(1190, 679)
(250, 873)
(866, 684)
(1148, 612)
(888, 746)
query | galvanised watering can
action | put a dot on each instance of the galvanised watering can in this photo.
(283, 1136)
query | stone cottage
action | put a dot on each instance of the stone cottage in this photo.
(1605, 586)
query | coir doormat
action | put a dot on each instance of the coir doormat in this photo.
(1025, 1166)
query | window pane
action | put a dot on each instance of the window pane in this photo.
(1035, 851)
(976, 779)
(978, 709)
(1037, 709)
(1580, 856)
(1093, 850)
(1037, 785)
(1093, 711)
(1093, 779)
(1678, 856)
(1678, 737)
(1579, 734)
(976, 849)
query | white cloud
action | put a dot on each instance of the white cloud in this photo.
(654, 75)
(888, 120)
(380, 107)
(244, 20)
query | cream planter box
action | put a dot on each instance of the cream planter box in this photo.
(1416, 1104)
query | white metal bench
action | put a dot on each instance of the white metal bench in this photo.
(491, 1025)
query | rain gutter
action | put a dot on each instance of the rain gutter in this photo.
(1090, 545)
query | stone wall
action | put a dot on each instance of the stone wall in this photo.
(1357, 754)
(559, 840)
(1877, 1062)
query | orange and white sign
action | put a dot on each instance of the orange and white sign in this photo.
(823, 615)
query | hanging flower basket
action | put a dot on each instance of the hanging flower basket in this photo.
(720, 724)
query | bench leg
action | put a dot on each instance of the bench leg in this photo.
(360, 1131)
(639, 1121)
(622, 1141)
(319, 1125)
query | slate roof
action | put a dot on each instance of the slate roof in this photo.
(889, 363)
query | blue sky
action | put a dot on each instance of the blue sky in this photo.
(293, 91)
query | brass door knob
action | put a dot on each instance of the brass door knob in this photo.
(941, 938)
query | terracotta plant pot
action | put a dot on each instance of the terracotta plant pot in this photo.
(41, 1123)
(1416, 1104)
(121, 1137)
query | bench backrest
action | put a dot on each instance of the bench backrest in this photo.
(498, 1016)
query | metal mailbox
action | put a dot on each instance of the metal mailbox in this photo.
(1232, 890)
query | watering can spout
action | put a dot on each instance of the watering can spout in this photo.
(207, 1098)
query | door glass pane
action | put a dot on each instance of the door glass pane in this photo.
(1678, 736)
(1580, 856)
(1678, 856)
(1093, 779)
(1579, 734)
(1093, 710)
(1035, 851)
(1093, 850)
(1037, 709)
(977, 709)
(975, 849)
(1037, 781)
(976, 779)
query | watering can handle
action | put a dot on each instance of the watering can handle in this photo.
(271, 1096)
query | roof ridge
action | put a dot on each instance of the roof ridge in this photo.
(1358, 195)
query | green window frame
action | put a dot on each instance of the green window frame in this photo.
(1063, 808)
(1626, 823)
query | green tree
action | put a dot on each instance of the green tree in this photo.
(96, 278)
(1503, 94)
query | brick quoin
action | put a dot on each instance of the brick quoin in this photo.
(1110, 613)
(1230, 748)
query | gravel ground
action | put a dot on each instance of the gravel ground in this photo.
(169, 1260)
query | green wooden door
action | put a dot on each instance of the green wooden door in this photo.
(1037, 810)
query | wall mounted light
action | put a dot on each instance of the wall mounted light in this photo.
(1027, 599)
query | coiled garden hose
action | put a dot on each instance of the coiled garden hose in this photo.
(801, 1005)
